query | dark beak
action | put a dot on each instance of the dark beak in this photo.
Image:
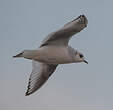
(85, 61)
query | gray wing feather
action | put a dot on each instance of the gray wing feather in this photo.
(63, 35)
(40, 74)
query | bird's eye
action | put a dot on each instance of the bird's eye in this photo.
(81, 56)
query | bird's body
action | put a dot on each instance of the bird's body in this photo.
(53, 51)
(52, 54)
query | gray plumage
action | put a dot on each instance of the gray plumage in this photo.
(53, 50)
(39, 75)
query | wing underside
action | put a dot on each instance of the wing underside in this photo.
(40, 74)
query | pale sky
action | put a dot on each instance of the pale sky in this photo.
(25, 23)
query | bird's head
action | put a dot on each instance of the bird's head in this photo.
(79, 57)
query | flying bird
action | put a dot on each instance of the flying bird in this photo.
(54, 50)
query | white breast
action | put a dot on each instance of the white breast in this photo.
(54, 55)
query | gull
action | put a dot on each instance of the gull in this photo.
(54, 50)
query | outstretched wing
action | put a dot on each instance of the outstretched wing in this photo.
(40, 73)
(62, 36)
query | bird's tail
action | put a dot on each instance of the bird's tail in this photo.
(18, 55)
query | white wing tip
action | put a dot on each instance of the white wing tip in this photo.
(83, 19)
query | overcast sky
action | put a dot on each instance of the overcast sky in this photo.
(25, 23)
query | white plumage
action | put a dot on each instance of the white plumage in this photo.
(53, 50)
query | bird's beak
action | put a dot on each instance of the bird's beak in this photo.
(85, 61)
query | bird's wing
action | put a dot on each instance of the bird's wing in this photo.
(62, 36)
(40, 73)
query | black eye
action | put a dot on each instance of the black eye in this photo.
(81, 56)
